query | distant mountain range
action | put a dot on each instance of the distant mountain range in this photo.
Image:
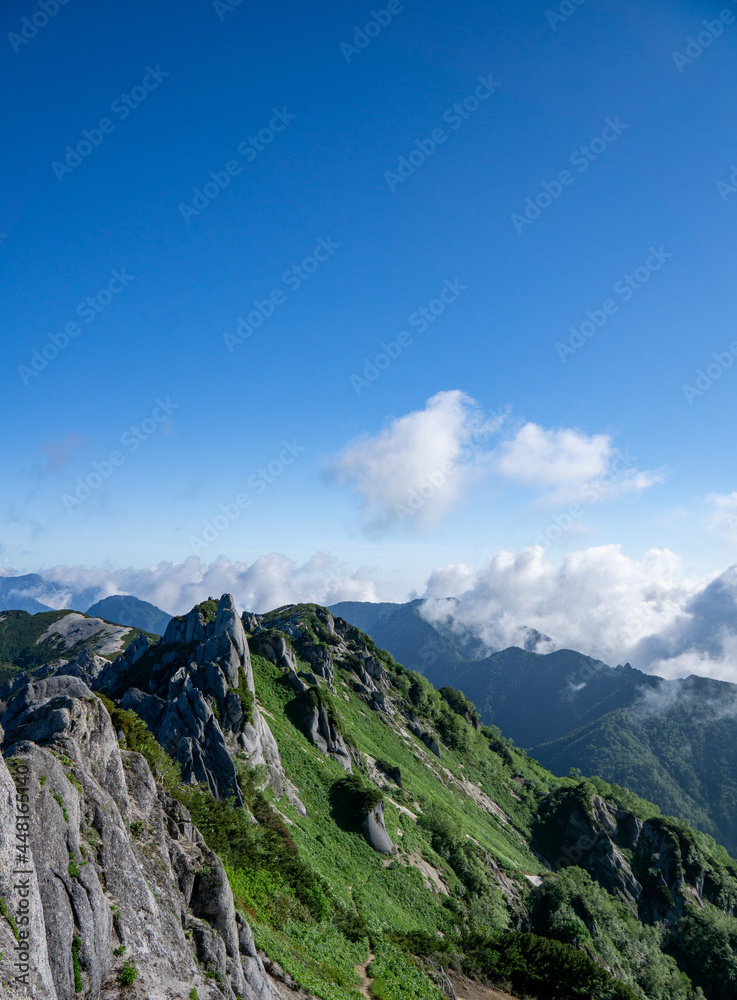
(21, 593)
(432, 647)
(674, 742)
(34, 593)
(31, 641)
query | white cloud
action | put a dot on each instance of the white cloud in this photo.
(420, 465)
(597, 601)
(566, 465)
(549, 458)
(722, 514)
(268, 582)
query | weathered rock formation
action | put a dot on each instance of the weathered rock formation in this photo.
(321, 728)
(375, 833)
(115, 876)
(654, 866)
(195, 692)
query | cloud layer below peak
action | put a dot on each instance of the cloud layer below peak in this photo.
(598, 601)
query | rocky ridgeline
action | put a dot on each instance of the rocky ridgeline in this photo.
(654, 866)
(195, 692)
(115, 877)
(311, 633)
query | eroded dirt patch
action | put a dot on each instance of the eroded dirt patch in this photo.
(467, 989)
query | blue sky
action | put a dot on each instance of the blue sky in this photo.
(346, 451)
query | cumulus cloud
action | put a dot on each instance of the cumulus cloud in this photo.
(702, 638)
(268, 582)
(567, 465)
(420, 465)
(722, 514)
(602, 603)
(598, 601)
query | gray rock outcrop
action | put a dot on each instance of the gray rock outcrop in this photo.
(276, 649)
(118, 874)
(375, 833)
(200, 702)
(320, 659)
(322, 732)
(646, 864)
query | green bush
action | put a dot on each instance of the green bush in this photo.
(140, 739)
(463, 855)
(128, 974)
(390, 770)
(247, 846)
(351, 925)
(6, 913)
(355, 798)
(460, 704)
(706, 949)
(208, 609)
(246, 696)
(548, 970)
(78, 984)
(60, 800)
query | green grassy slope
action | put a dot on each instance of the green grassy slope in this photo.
(683, 757)
(20, 649)
(674, 742)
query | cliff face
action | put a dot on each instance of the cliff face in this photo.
(196, 694)
(103, 875)
(653, 865)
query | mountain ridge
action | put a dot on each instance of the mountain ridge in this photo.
(379, 826)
